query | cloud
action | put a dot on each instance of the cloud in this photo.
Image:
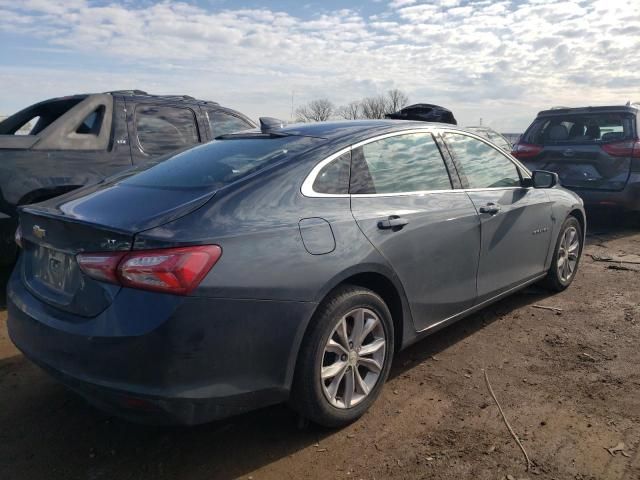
(504, 59)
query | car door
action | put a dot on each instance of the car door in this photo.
(403, 200)
(221, 123)
(161, 129)
(515, 221)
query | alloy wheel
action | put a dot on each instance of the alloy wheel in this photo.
(568, 254)
(353, 358)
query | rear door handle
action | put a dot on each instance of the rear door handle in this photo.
(394, 223)
(490, 208)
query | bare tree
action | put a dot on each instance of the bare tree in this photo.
(319, 110)
(396, 99)
(374, 107)
(352, 111)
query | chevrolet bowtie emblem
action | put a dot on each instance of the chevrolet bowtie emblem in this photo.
(39, 232)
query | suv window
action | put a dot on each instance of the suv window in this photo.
(580, 128)
(399, 164)
(222, 123)
(163, 129)
(482, 165)
(334, 177)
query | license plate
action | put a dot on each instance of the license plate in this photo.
(53, 268)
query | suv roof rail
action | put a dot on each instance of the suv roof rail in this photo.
(142, 93)
(559, 107)
(633, 104)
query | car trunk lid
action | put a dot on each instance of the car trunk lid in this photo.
(105, 220)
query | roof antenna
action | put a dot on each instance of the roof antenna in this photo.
(268, 124)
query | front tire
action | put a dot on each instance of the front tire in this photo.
(345, 357)
(566, 256)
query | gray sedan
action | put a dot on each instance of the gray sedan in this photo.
(286, 263)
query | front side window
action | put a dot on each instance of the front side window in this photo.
(222, 123)
(399, 164)
(482, 165)
(164, 129)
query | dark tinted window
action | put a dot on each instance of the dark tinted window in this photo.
(219, 162)
(163, 129)
(482, 165)
(580, 128)
(404, 163)
(334, 177)
(222, 123)
(91, 125)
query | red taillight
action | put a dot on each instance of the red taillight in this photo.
(526, 150)
(172, 270)
(628, 148)
(101, 266)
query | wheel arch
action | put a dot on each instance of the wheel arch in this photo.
(378, 279)
(581, 217)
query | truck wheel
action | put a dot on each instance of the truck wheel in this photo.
(345, 357)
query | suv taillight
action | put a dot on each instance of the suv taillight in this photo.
(526, 150)
(628, 148)
(171, 270)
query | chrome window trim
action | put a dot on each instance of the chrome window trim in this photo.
(307, 186)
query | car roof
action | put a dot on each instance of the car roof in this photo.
(354, 128)
(631, 108)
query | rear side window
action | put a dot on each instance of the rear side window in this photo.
(220, 162)
(399, 164)
(222, 123)
(481, 165)
(334, 177)
(580, 129)
(164, 129)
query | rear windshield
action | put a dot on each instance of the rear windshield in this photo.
(580, 128)
(220, 162)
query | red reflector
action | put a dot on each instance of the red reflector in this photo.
(172, 270)
(101, 266)
(526, 150)
(628, 148)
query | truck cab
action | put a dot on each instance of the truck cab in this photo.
(58, 145)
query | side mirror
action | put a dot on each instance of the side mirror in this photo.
(544, 179)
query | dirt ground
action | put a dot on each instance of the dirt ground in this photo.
(567, 380)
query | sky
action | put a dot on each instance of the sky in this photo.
(501, 61)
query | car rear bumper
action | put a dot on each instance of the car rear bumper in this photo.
(628, 199)
(198, 360)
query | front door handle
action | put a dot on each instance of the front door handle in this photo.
(490, 208)
(393, 223)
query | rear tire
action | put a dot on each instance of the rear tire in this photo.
(566, 256)
(345, 357)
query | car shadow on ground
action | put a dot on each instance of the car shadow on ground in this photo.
(40, 416)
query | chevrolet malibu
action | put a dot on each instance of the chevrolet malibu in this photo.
(286, 263)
